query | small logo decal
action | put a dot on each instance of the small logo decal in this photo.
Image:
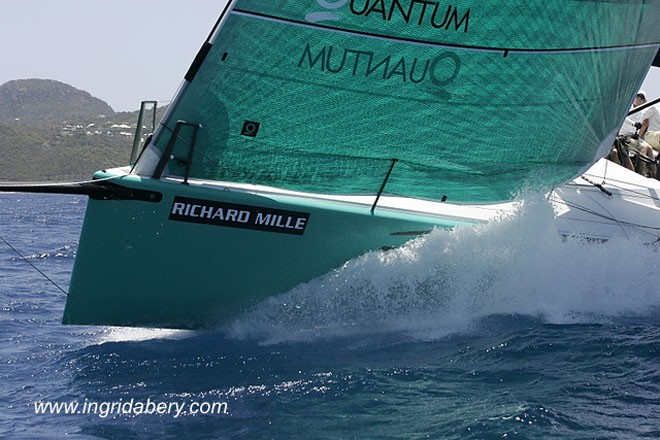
(250, 128)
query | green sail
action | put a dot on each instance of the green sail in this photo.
(471, 100)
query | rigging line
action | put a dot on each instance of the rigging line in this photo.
(188, 141)
(638, 226)
(45, 184)
(622, 189)
(33, 266)
(504, 50)
(639, 108)
(612, 217)
(639, 195)
(171, 130)
(598, 185)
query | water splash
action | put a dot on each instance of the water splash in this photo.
(448, 281)
(134, 334)
(66, 251)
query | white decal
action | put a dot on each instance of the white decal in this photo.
(235, 215)
(329, 14)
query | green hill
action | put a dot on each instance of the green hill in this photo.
(42, 101)
(51, 131)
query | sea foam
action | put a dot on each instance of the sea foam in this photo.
(448, 281)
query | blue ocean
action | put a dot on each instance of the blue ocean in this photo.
(503, 332)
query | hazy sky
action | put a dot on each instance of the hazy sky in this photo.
(122, 51)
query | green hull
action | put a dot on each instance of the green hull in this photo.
(153, 264)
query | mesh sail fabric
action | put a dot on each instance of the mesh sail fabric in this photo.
(473, 99)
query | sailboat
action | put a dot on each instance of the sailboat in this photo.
(309, 132)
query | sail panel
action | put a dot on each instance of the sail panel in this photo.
(494, 24)
(325, 96)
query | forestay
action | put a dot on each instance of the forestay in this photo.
(469, 99)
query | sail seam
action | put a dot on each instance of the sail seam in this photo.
(505, 50)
